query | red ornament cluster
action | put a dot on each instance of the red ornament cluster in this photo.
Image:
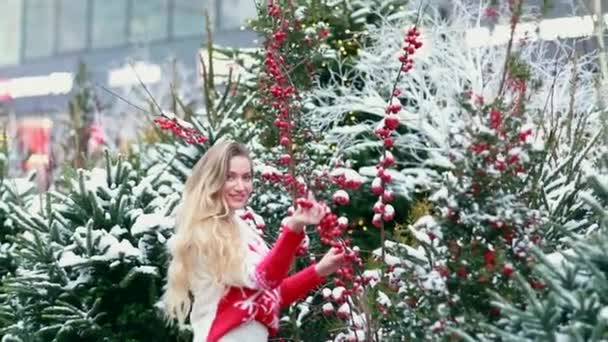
(188, 134)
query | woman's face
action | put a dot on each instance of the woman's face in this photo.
(239, 183)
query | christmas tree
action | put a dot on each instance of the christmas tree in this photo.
(14, 193)
(573, 305)
(90, 262)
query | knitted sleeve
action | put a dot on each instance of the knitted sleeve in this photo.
(299, 285)
(268, 272)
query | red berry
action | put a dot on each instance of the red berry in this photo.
(389, 142)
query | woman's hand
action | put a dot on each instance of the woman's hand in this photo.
(331, 262)
(304, 216)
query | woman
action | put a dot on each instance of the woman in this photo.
(221, 270)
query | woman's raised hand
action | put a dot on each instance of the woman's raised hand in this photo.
(331, 262)
(308, 212)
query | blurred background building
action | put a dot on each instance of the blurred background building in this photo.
(42, 41)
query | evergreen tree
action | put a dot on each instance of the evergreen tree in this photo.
(14, 193)
(484, 226)
(91, 262)
(574, 304)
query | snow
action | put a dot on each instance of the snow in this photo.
(118, 231)
(97, 179)
(373, 276)
(338, 293)
(350, 175)
(304, 310)
(344, 310)
(437, 160)
(20, 186)
(145, 223)
(370, 171)
(556, 259)
(300, 13)
(434, 282)
(83, 278)
(603, 315)
(149, 270)
(383, 299)
(349, 335)
(124, 249)
(269, 170)
(68, 259)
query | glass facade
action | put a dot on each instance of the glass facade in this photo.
(109, 23)
(10, 31)
(234, 13)
(189, 17)
(72, 16)
(149, 19)
(40, 28)
(32, 29)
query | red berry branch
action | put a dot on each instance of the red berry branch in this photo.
(181, 128)
(349, 280)
(279, 93)
(383, 210)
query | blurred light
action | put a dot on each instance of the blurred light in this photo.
(56, 83)
(566, 28)
(129, 74)
(547, 29)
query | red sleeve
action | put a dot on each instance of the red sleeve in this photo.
(274, 267)
(299, 285)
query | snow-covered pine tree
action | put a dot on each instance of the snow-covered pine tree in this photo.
(91, 262)
(14, 192)
(483, 228)
(574, 304)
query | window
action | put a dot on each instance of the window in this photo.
(40, 28)
(72, 25)
(109, 23)
(235, 12)
(189, 18)
(149, 20)
(10, 31)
